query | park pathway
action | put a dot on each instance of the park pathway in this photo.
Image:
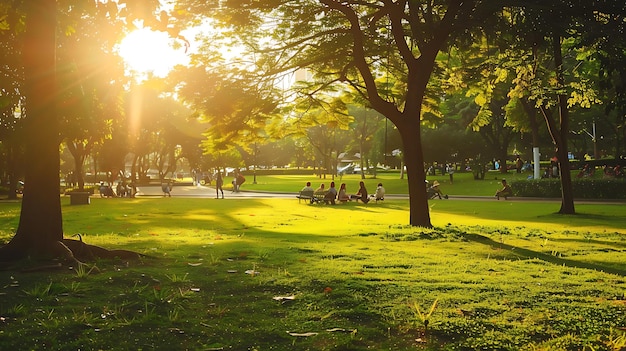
(192, 191)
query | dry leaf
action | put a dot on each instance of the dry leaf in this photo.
(302, 334)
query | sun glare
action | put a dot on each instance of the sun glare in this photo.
(147, 51)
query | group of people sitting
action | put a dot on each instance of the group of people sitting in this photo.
(331, 194)
(121, 190)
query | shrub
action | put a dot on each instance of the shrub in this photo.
(613, 188)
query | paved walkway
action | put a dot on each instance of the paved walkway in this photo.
(209, 192)
(206, 192)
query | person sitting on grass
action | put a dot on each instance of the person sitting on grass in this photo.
(361, 194)
(379, 195)
(505, 191)
(343, 195)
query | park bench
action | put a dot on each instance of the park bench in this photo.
(305, 195)
(310, 196)
(318, 198)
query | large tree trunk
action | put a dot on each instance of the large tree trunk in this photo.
(40, 225)
(414, 156)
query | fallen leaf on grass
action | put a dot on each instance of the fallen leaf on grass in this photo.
(194, 264)
(283, 298)
(302, 334)
(333, 330)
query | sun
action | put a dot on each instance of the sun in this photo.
(146, 51)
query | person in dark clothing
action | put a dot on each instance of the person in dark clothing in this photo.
(219, 182)
(505, 191)
(361, 194)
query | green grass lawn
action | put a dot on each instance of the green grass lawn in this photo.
(273, 274)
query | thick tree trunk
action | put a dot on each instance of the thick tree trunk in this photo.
(40, 225)
(414, 157)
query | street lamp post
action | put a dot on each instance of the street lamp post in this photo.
(254, 166)
(592, 135)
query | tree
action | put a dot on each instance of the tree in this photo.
(40, 229)
(605, 44)
(41, 194)
(490, 123)
(352, 43)
(236, 112)
(319, 119)
(11, 101)
(550, 27)
(90, 81)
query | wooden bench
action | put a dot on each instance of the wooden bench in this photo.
(305, 195)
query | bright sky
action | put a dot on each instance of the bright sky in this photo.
(147, 51)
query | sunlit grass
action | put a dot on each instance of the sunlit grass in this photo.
(508, 275)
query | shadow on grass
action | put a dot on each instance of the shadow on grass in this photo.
(592, 241)
(518, 251)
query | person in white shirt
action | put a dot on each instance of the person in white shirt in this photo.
(380, 192)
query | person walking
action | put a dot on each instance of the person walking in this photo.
(450, 168)
(219, 182)
(167, 188)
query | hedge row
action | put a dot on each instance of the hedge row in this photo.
(583, 188)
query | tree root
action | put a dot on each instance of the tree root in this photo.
(87, 252)
(59, 254)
